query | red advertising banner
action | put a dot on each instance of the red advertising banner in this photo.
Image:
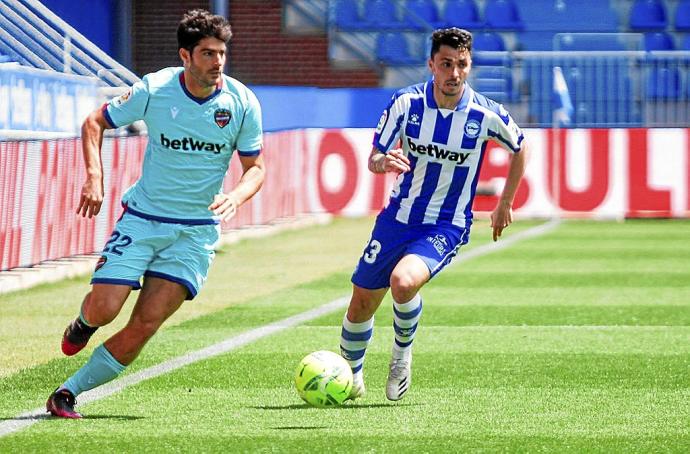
(599, 173)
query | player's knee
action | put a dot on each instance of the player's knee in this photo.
(101, 308)
(404, 286)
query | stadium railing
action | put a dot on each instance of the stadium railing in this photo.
(34, 36)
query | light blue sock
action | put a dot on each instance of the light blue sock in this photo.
(101, 368)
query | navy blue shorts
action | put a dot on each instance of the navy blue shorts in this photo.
(391, 240)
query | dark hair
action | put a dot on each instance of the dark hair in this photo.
(457, 38)
(198, 24)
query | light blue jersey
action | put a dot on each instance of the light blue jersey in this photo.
(191, 141)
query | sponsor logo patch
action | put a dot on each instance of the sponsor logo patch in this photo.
(382, 122)
(123, 98)
(101, 262)
(222, 117)
(472, 128)
(439, 242)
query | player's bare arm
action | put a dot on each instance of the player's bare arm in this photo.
(502, 216)
(91, 139)
(253, 173)
(393, 161)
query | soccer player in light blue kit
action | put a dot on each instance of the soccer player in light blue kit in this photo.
(196, 118)
(444, 126)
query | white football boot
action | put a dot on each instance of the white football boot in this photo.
(399, 377)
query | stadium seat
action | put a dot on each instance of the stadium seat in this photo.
(682, 22)
(347, 15)
(420, 15)
(584, 42)
(496, 82)
(686, 43)
(663, 84)
(488, 41)
(381, 14)
(647, 15)
(393, 49)
(502, 15)
(461, 13)
(658, 41)
(569, 16)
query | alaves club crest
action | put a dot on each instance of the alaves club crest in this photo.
(222, 117)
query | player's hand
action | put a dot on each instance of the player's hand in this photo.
(501, 217)
(396, 161)
(91, 197)
(225, 206)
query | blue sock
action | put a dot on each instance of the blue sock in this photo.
(101, 368)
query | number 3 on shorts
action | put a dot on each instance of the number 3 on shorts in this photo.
(371, 253)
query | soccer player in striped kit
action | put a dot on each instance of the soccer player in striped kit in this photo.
(443, 126)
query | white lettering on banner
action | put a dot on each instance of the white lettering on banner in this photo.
(21, 104)
(4, 106)
(65, 121)
(44, 108)
(630, 172)
(86, 102)
(610, 181)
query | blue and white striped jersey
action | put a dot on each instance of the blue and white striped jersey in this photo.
(445, 148)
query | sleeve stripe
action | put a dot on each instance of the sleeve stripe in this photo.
(107, 116)
(249, 153)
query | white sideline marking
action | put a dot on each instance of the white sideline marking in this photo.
(31, 417)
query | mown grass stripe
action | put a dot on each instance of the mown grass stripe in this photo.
(29, 418)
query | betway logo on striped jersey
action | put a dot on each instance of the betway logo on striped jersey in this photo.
(434, 151)
(189, 144)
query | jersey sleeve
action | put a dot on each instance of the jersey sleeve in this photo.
(505, 131)
(388, 130)
(250, 137)
(128, 107)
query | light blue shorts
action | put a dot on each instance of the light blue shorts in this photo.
(139, 247)
(391, 240)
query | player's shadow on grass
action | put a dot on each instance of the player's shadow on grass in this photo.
(341, 407)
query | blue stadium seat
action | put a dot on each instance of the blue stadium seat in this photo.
(420, 15)
(682, 22)
(584, 42)
(488, 41)
(569, 16)
(496, 82)
(502, 15)
(658, 41)
(393, 49)
(461, 13)
(534, 40)
(347, 15)
(647, 15)
(381, 15)
(686, 43)
(663, 84)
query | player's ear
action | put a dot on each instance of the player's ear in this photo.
(430, 63)
(184, 55)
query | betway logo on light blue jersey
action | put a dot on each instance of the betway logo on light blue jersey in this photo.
(189, 144)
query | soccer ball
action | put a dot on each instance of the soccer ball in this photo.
(323, 379)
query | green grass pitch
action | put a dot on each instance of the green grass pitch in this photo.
(574, 341)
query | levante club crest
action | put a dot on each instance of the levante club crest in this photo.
(222, 117)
